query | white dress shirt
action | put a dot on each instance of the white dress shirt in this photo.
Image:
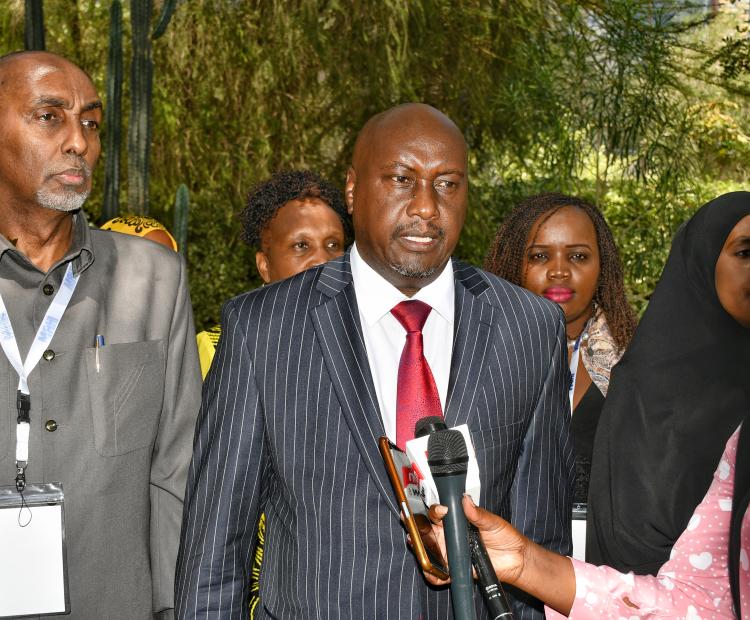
(385, 337)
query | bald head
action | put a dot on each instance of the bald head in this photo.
(418, 117)
(21, 64)
(407, 193)
(34, 56)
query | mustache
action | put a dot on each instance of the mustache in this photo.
(73, 162)
(417, 229)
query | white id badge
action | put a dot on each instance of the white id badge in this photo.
(579, 532)
(32, 539)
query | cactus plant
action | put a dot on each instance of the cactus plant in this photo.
(180, 226)
(141, 81)
(33, 25)
(139, 131)
(167, 10)
(113, 114)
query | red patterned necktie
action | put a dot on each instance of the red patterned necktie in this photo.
(416, 395)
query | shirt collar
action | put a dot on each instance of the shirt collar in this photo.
(81, 251)
(376, 296)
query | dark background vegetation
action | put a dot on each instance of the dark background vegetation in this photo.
(638, 105)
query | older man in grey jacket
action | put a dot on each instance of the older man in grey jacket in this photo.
(114, 395)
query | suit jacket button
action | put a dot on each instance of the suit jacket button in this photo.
(48, 289)
(51, 426)
(49, 355)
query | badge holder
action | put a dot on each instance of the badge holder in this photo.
(33, 563)
(579, 532)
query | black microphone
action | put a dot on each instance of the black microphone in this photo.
(448, 459)
(489, 584)
(428, 425)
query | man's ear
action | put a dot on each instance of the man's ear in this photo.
(351, 180)
(261, 262)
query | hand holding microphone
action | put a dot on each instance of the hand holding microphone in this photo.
(441, 454)
(505, 546)
(515, 559)
(489, 585)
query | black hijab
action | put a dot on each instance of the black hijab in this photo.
(678, 393)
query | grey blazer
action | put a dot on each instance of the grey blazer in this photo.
(122, 432)
(289, 425)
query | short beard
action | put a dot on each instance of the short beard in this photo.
(413, 271)
(66, 200)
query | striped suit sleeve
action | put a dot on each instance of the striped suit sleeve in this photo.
(541, 494)
(224, 485)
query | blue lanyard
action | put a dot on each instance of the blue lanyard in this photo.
(574, 368)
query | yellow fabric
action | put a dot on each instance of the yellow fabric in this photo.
(138, 225)
(207, 341)
(257, 563)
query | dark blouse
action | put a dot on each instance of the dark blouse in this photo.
(583, 428)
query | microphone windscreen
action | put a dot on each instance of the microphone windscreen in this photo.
(429, 424)
(447, 453)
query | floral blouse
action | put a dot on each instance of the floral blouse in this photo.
(693, 584)
(599, 351)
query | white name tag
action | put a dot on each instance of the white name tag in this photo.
(33, 572)
(579, 532)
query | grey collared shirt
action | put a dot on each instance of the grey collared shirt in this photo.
(28, 292)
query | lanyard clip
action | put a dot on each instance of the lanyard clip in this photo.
(23, 404)
(20, 477)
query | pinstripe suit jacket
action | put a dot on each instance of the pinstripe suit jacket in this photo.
(289, 426)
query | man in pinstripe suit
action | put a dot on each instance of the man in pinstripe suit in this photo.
(304, 383)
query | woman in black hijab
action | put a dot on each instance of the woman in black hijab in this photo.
(679, 392)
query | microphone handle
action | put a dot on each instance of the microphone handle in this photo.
(489, 585)
(451, 489)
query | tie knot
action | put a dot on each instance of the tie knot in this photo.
(412, 314)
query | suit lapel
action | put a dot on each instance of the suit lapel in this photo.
(337, 326)
(472, 334)
(339, 332)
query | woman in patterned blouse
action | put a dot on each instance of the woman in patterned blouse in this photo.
(561, 248)
(695, 584)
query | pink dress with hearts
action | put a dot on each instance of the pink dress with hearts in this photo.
(693, 584)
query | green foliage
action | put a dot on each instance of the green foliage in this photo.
(627, 102)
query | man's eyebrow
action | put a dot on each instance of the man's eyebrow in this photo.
(399, 164)
(53, 102)
(56, 102)
(94, 105)
(396, 164)
(457, 172)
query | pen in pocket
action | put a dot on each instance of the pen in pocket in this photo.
(98, 344)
